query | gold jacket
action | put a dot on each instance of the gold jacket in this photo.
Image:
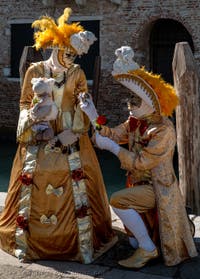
(155, 156)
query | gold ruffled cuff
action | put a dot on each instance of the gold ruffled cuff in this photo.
(24, 131)
(127, 159)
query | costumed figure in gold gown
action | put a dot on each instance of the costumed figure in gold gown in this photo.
(56, 206)
(152, 196)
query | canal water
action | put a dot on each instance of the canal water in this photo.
(7, 153)
(114, 177)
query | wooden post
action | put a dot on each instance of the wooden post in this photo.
(186, 82)
(96, 78)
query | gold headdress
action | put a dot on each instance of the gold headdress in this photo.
(157, 93)
(165, 92)
(51, 34)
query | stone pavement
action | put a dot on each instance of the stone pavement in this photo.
(105, 267)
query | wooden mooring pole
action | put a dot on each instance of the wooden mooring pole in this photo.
(186, 82)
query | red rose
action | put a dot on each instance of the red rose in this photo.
(101, 120)
(82, 211)
(77, 174)
(21, 222)
(26, 178)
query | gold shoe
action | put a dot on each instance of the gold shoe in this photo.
(139, 258)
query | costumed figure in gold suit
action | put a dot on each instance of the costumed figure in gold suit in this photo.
(153, 196)
(56, 206)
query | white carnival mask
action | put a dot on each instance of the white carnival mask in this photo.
(141, 111)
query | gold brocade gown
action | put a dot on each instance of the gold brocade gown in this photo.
(61, 210)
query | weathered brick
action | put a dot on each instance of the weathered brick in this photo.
(129, 23)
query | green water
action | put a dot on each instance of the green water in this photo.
(7, 153)
(114, 177)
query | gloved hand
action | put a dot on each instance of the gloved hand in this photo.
(67, 137)
(87, 105)
(107, 144)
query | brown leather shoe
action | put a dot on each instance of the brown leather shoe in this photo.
(139, 258)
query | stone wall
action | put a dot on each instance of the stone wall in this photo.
(127, 23)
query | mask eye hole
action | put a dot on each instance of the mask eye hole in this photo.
(70, 55)
(134, 101)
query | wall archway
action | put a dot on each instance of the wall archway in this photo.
(165, 33)
(141, 37)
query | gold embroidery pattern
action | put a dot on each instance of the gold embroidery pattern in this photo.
(25, 203)
(84, 221)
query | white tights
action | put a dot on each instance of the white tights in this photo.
(133, 221)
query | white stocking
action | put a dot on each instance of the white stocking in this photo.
(133, 221)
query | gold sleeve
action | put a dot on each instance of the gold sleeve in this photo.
(27, 93)
(81, 82)
(119, 134)
(81, 122)
(24, 132)
(162, 142)
(127, 159)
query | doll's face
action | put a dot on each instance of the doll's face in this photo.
(66, 57)
(42, 86)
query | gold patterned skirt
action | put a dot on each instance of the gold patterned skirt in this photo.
(57, 206)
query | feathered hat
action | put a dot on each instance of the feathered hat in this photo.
(150, 87)
(62, 34)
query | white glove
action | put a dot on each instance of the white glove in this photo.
(67, 137)
(107, 144)
(87, 105)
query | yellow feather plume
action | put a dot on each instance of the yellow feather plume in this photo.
(165, 92)
(64, 18)
(44, 23)
(52, 35)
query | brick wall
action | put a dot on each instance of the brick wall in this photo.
(129, 23)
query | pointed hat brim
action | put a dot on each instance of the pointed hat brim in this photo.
(141, 88)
